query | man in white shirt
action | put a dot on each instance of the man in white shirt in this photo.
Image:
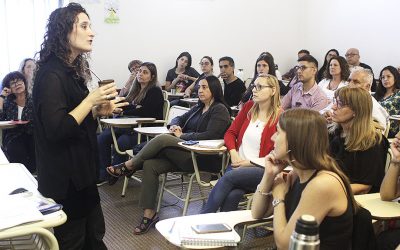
(362, 78)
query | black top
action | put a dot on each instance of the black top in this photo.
(182, 85)
(150, 106)
(10, 113)
(334, 232)
(363, 167)
(66, 152)
(209, 125)
(233, 92)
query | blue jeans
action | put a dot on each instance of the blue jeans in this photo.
(230, 189)
(126, 140)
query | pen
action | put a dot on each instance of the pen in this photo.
(172, 227)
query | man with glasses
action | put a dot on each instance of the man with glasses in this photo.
(306, 93)
(362, 78)
(353, 59)
(233, 86)
(133, 67)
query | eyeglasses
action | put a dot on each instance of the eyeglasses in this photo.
(351, 54)
(259, 87)
(302, 68)
(14, 83)
(204, 63)
(224, 66)
(339, 104)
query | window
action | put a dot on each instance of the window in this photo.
(22, 27)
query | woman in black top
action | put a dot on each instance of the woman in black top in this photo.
(65, 127)
(316, 186)
(182, 75)
(208, 120)
(145, 100)
(356, 141)
(331, 53)
(16, 104)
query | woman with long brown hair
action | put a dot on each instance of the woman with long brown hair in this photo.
(316, 186)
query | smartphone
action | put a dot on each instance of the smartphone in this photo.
(190, 143)
(105, 82)
(211, 228)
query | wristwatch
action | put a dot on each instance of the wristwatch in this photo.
(276, 202)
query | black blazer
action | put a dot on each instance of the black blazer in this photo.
(212, 125)
(65, 151)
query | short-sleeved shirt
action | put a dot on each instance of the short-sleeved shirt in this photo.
(314, 99)
(233, 92)
(392, 106)
(363, 167)
(182, 85)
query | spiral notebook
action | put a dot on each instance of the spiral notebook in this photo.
(189, 237)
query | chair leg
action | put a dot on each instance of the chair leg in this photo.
(189, 191)
(164, 178)
(126, 180)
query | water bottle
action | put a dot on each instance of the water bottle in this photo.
(305, 236)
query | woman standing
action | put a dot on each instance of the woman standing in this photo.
(388, 95)
(16, 104)
(248, 137)
(336, 76)
(65, 127)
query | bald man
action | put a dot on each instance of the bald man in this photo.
(362, 78)
(353, 59)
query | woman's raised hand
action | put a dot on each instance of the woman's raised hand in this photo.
(111, 107)
(273, 166)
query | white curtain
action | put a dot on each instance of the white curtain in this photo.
(22, 27)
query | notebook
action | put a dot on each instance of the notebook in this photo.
(189, 237)
(211, 144)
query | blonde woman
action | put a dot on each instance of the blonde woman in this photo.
(356, 141)
(247, 138)
(316, 186)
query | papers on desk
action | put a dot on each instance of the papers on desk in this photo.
(16, 210)
(211, 144)
(189, 237)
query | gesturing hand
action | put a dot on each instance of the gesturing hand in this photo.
(102, 95)
(111, 107)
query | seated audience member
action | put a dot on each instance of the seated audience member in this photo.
(207, 67)
(353, 59)
(146, 100)
(321, 72)
(265, 65)
(182, 75)
(209, 119)
(388, 95)
(316, 186)
(28, 69)
(306, 93)
(390, 189)
(16, 104)
(291, 75)
(356, 141)
(133, 67)
(362, 78)
(233, 86)
(336, 76)
(248, 137)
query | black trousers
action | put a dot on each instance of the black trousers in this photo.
(21, 149)
(84, 233)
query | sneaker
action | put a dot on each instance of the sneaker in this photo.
(100, 183)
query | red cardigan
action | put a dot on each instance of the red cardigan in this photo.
(234, 135)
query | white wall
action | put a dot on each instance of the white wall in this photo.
(158, 30)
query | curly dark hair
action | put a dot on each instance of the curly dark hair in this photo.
(380, 89)
(12, 76)
(344, 68)
(56, 42)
